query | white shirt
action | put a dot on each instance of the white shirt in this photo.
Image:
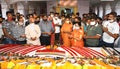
(113, 28)
(1, 31)
(33, 30)
(57, 21)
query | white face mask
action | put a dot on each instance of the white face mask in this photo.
(111, 20)
(76, 27)
(41, 19)
(67, 21)
(51, 15)
(56, 18)
(20, 23)
(92, 23)
(87, 24)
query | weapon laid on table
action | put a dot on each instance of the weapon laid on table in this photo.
(108, 52)
(115, 51)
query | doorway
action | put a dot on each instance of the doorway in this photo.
(67, 11)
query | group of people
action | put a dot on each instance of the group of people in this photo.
(72, 30)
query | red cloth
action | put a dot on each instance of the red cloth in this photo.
(53, 35)
(119, 24)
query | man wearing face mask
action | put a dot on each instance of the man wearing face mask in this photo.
(111, 31)
(51, 16)
(57, 23)
(93, 33)
(37, 20)
(46, 30)
(18, 32)
(6, 26)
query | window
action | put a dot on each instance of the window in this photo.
(117, 8)
(107, 8)
(101, 11)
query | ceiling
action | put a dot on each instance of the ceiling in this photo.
(92, 2)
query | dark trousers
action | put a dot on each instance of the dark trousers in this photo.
(45, 40)
(21, 42)
(57, 36)
(8, 41)
(102, 43)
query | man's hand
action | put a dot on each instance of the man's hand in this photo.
(49, 33)
(44, 32)
(33, 38)
(23, 36)
(105, 29)
(13, 39)
(57, 24)
(85, 37)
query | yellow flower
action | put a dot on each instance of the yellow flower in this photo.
(10, 65)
